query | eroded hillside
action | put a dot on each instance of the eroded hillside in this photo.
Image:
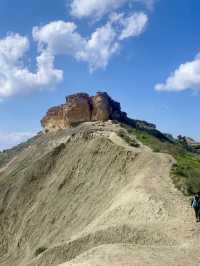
(88, 196)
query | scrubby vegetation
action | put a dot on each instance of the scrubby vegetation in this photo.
(186, 172)
(130, 140)
(40, 250)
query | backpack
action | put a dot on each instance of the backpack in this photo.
(196, 202)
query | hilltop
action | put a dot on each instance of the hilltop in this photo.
(98, 193)
(81, 108)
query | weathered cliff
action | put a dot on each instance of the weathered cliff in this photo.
(81, 107)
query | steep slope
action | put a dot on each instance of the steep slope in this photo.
(84, 196)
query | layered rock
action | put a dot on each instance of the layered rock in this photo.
(54, 119)
(101, 107)
(77, 109)
(81, 107)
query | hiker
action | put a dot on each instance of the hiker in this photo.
(196, 206)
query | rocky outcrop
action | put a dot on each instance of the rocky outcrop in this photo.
(77, 109)
(54, 119)
(189, 143)
(81, 107)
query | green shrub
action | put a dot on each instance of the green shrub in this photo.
(186, 172)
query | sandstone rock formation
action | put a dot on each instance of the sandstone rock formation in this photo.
(81, 107)
(54, 119)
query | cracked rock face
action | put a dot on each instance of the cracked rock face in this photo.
(54, 119)
(77, 109)
(82, 108)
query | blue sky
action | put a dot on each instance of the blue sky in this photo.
(127, 49)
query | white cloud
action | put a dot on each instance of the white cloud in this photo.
(62, 38)
(100, 47)
(133, 25)
(8, 140)
(129, 26)
(99, 8)
(187, 76)
(13, 47)
(15, 78)
(94, 8)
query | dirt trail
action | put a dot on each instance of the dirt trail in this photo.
(95, 201)
(151, 206)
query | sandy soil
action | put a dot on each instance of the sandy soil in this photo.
(84, 197)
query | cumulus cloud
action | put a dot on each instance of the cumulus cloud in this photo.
(62, 38)
(100, 47)
(8, 140)
(15, 78)
(59, 37)
(99, 8)
(13, 47)
(187, 76)
(130, 26)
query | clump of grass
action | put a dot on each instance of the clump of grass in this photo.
(130, 140)
(39, 251)
(186, 172)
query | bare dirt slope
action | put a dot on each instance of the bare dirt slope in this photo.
(84, 197)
